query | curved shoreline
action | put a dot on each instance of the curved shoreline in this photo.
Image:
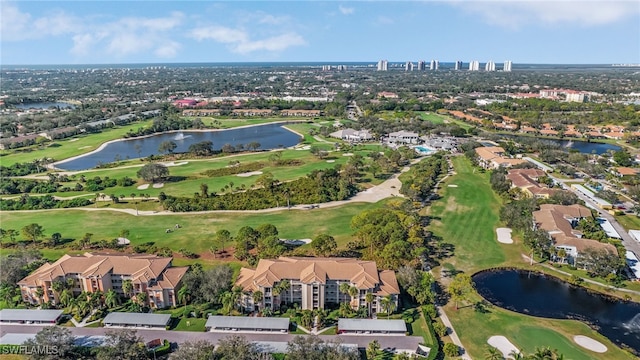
(53, 166)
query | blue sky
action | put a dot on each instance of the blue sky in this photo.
(104, 32)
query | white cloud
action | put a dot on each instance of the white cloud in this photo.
(516, 14)
(274, 43)
(384, 20)
(17, 25)
(91, 36)
(220, 34)
(346, 10)
(130, 35)
(239, 40)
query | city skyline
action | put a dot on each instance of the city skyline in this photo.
(105, 32)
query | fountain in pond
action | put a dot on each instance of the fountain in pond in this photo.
(181, 136)
(633, 324)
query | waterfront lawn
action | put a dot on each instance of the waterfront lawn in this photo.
(466, 216)
(526, 333)
(66, 148)
(196, 230)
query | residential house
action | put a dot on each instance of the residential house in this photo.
(352, 135)
(251, 112)
(201, 112)
(560, 222)
(491, 157)
(314, 283)
(148, 274)
(527, 181)
(404, 137)
(303, 113)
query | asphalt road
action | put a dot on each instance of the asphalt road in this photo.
(628, 242)
(386, 341)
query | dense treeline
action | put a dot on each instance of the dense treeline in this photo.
(23, 186)
(169, 120)
(418, 183)
(22, 169)
(26, 202)
(317, 187)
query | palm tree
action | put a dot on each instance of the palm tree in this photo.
(492, 353)
(127, 288)
(183, 295)
(344, 288)
(57, 287)
(369, 297)
(111, 299)
(388, 305)
(516, 355)
(65, 297)
(227, 302)
(40, 294)
(543, 354)
(353, 292)
(257, 298)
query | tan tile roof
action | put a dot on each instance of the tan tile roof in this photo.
(389, 283)
(141, 267)
(583, 244)
(626, 171)
(171, 277)
(363, 274)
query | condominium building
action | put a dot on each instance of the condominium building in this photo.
(435, 64)
(383, 65)
(314, 283)
(422, 65)
(507, 66)
(89, 272)
(408, 66)
(490, 66)
(474, 65)
(458, 65)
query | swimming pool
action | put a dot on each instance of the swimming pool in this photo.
(423, 150)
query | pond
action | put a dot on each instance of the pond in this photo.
(45, 105)
(581, 146)
(541, 295)
(270, 136)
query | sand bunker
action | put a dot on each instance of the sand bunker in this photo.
(143, 187)
(347, 154)
(72, 140)
(173, 163)
(590, 344)
(503, 344)
(331, 161)
(305, 147)
(504, 235)
(251, 173)
(452, 185)
(123, 241)
(158, 185)
(84, 147)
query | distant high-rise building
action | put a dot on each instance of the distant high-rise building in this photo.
(458, 65)
(490, 66)
(507, 66)
(434, 65)
(326, 67)
(408, 66)
(474, 65)
(422, 65)
(383, 65)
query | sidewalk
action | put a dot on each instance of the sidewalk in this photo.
(452, 334)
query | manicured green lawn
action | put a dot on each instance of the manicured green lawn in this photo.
(466, 216)
(76, 145)
(196, 230)
(432, 118)
(190, 324)
(526, 333)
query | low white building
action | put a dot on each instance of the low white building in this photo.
(404, 137)
(352, 135)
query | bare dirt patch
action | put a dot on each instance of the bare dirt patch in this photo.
(453, 206)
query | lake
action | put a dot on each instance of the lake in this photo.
(541, 295)
(45, 105)
(270, 136)
(581, 146)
